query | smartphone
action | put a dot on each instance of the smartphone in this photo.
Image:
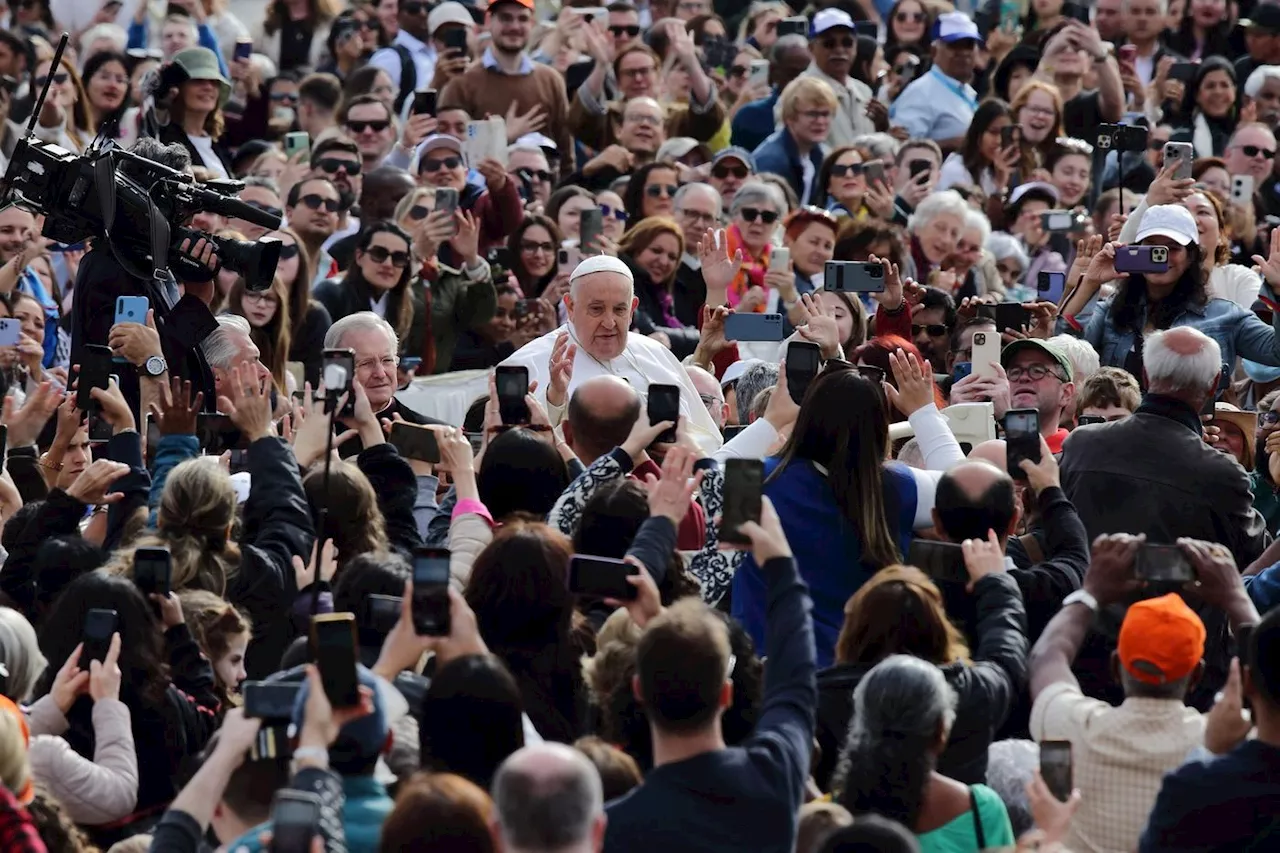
(454, 38)
(476, 440)
(919, 167)
(333, 647)
(270, 700)
(853, 277)
(431, 592)
(753, 327)
(1184, 153)
(780, 259)
(1008, 135)
(10, 332)
(415, 442)
(1010, 15)
(942, 561)
(1244, 640)
(1022, 439)
(873, 171)
(382, 612)
(569, 257)
(732, 431)
(1142, 259)
(244, 49)
(758, 75)
(99, 625)
(298, 142)
(802, 362)
(95, 372)
(960, 371)
(795, 25)
(1182, 71)
(424, 102)
(1165, 563)
(217, 434)
(1063, 221)
(1007, 315)
(743, 487)
(1241, 189)
(131, 309)
(664, 405)
(513, 386)
(1055, 767)
(590, 227)
(1076, 10)
(447, 200)
(100, 430)
(338, 369)
(601, 577)
(410, 363)
(295, 821)
(152, 570)
(986, 351)
(1050, 285)
(1086, 420)
(1127, 52)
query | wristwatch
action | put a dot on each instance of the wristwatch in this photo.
(1084, 597)
(155, 366)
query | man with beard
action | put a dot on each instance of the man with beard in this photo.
(506, 82)
(337, 159)
(940, 105)
(312, 210)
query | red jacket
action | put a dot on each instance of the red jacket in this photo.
(692, 535)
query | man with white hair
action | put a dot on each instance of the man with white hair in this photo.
(1263, 88)
(1152, 472)
(548, 798)
(698, 210)
(229, 346)
(601, 303)
(527, 163)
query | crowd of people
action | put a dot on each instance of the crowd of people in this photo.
(985, 298)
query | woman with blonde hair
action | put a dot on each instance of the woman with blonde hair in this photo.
(67, 117)
(268, 314)
(901, 611)
(652, 249)
(1037, 112)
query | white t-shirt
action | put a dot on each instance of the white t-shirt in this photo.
(210, 160)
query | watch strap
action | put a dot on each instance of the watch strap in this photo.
(1084, 597)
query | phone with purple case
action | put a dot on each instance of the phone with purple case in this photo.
(1142, 259)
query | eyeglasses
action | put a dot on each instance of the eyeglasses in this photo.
(698, 216)
(260, 296)
(628, 30)
(903, 17)
(722, 172)
(750, 214)
(381, 255)
(658, 190)
(840, 170)
(709, 400)
(419, 212)
(265, 208)
(371, 26)
(1249, 151)
(315, 202)
(935, 330)
(832, 43)
(433, 165)
(617, 213)
(388, 363)
(1034, 372)
(533, 247)
(60, 78)
(1039, 111)
(738, 71)
(815, 115)
(638, 72)
(333, 165)
(643, 119)
(288, 251)
(359, 127)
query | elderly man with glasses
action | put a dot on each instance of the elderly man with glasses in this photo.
(1252, 151)
(698, 211)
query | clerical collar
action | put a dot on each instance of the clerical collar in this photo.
(573, 336)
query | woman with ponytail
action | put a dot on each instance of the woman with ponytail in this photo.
(902, 714)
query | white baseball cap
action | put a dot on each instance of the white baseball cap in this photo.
(829, 19)
(1169, 220)
(956, 26)
(449, 13)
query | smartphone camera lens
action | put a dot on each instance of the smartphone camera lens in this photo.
(1160, 254)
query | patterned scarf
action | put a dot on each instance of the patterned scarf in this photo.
(753, 269)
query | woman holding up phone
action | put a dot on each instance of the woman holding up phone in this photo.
(989, 156)
(1161, 299)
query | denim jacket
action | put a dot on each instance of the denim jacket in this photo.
(1237, 331)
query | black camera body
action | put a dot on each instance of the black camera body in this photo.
(1122, 137)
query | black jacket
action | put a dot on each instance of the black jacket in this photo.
(986, 688)
(396, 486)
(648, 317)
(306, 344)
(1152, 473)
(689, 294)
(171, 133)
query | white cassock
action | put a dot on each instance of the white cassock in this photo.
(642, 363)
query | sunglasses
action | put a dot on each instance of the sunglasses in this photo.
(284, 97)
(658, 190)
(539, 175)
(832, 43)
(379, 255)
(903, 17)
(533, 247)
(935, 330)
(288, 251)
(315, 202)
(870, 371)
(332, 165)
(432, 165)
(738, 71)
(419, 212)
(1249, 150)
(854, 169)
(722, 172)
(60, 78)
(617, 213)
(629, 30)
(358, 127)
(768, 217)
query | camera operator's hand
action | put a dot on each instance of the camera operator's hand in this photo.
(202, 253)
(134, 342)
(115, 409)
(248, 401)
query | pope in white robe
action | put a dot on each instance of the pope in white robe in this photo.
(601, 302)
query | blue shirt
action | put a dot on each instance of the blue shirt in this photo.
(935, 106)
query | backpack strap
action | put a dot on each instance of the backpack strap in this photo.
(977, 820)
(408, 75)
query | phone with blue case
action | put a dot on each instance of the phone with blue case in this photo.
(10, 332)
(130, 309)
(753, 327)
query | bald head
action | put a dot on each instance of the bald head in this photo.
(1183, 363)
(548, 797)
(712, 394)
(601, 413)
(973, 498)
(992, 451)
